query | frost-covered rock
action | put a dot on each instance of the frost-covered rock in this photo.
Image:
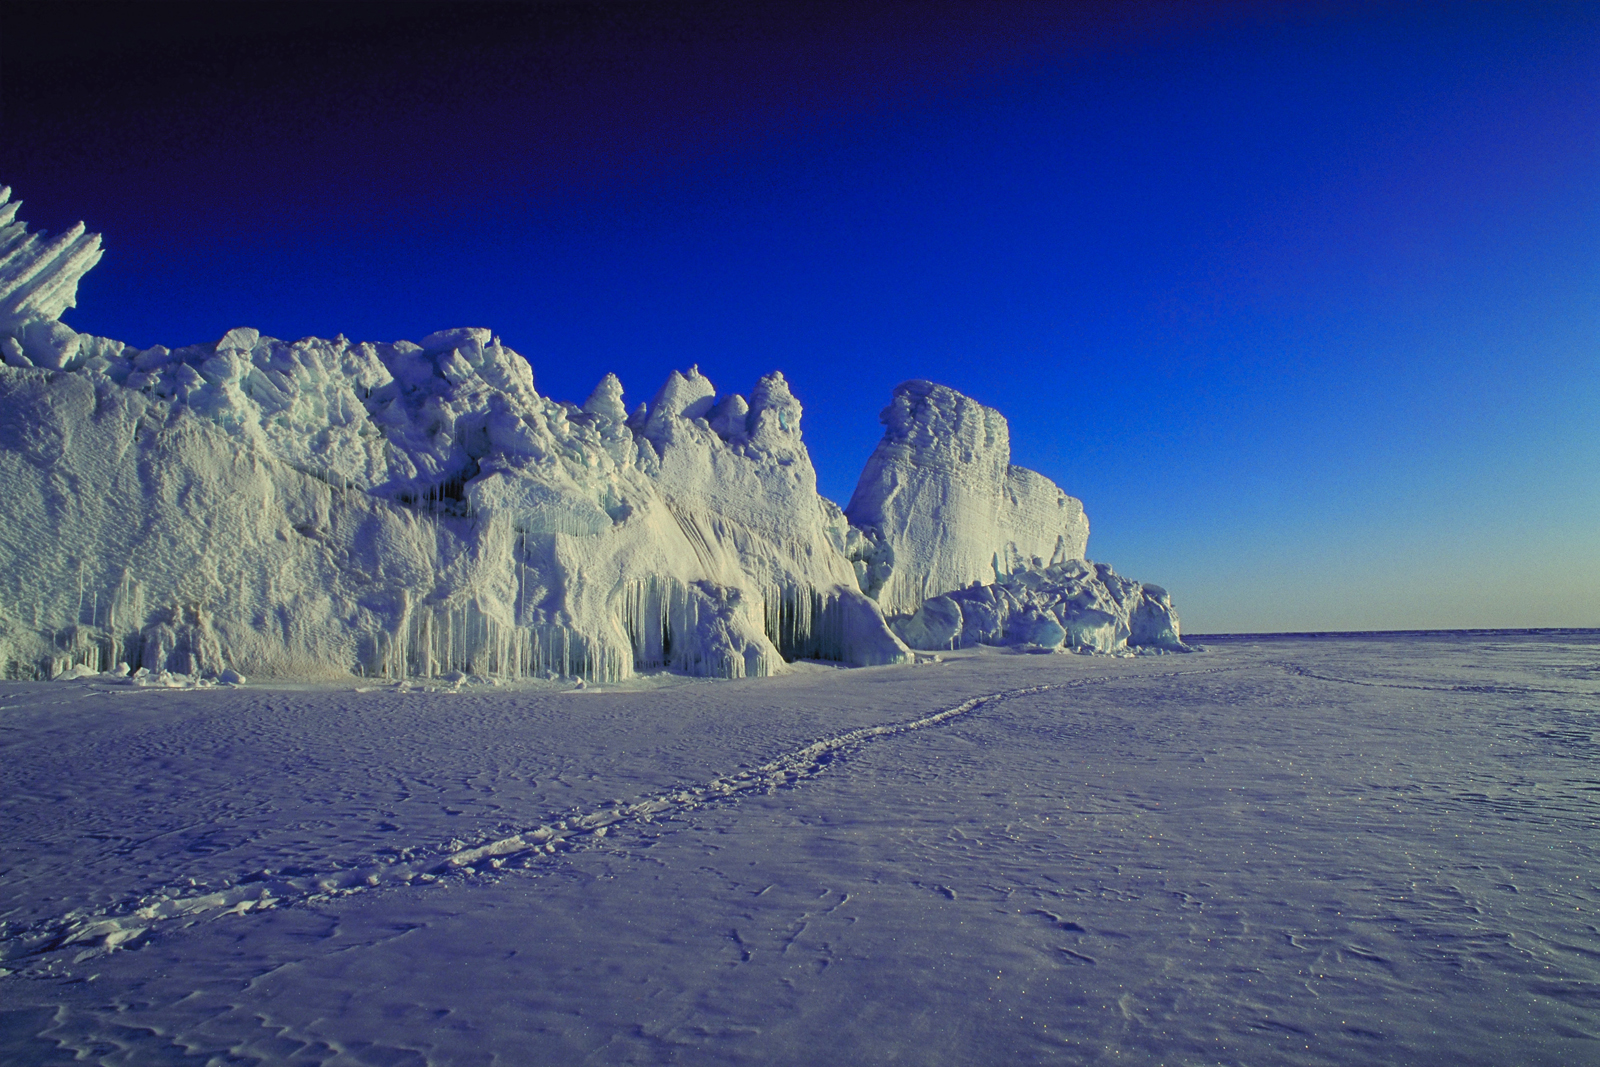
(940, 505)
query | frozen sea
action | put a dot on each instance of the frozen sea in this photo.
(1295, 850)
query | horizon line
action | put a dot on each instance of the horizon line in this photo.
(1400, 633)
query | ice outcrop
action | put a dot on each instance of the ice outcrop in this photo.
(961, 547)
(1075, 605)
(940, 505)
(38, 281)
(321, 507)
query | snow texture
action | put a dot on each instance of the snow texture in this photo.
(318, 508)
(1311, 851)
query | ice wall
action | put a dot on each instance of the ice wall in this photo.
(940, 506)
(324, 507)
(320, 507)
(133, 532)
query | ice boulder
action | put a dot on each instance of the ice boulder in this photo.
(940, 505)
(937, 624)
(1076, 605)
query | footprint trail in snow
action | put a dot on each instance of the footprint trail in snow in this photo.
(83, 934)
(1403, 868)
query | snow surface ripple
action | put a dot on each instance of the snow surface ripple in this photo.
(84, 934)
(1304, 672)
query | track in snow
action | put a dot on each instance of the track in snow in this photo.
(42, 947)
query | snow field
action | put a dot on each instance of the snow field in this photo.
(1317, 852)
(79, 934)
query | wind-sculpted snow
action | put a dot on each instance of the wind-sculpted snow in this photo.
(318, 508)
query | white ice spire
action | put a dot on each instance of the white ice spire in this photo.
(39, 277)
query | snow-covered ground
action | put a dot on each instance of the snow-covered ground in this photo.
(1278, 851)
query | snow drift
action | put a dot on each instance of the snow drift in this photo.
(322, 507)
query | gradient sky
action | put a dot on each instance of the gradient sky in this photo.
(1302, 301)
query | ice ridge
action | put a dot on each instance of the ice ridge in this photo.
(322, 508)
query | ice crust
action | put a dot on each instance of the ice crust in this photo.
(320, 507)
(1375, 849)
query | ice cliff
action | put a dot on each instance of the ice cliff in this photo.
(942, 506)
(960, 547)
(323, 507)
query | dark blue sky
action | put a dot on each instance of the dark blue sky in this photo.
(1302, 301)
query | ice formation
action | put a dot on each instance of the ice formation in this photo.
(941, 506)
(1077, 605)
(321, 507)
(38, 281)
(960, 547)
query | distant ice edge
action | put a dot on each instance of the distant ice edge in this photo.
(322, 508)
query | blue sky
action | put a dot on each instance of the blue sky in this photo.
(1302, 301)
